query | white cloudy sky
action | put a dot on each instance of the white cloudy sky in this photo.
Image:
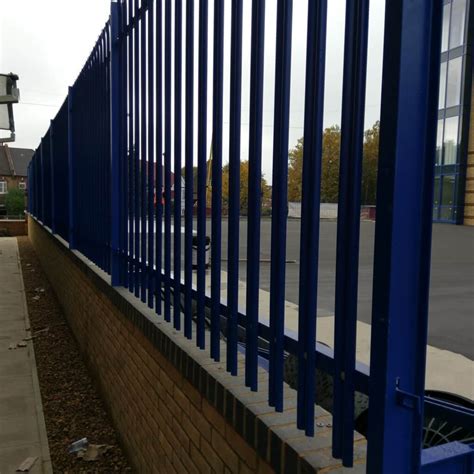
(46, 42)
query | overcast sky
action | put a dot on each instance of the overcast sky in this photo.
(46, 43)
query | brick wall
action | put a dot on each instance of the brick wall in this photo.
(469, 196)
(13, 228)
(175, 409)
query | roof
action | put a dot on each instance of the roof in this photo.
(20, 157)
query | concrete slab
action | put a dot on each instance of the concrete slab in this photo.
(9, 456)
(22, 427)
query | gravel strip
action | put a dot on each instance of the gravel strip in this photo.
(73, 408)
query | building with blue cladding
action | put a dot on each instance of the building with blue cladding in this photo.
(454, 185)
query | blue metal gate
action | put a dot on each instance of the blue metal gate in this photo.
(98, 180)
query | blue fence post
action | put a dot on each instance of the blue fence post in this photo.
(70, 101)
(53, 183)
(201, 173)
(216, 175)
(41, 170)
(188, 160)
(234, 184)
(115, 110)
(254, 193)
(348, 227)
(310, 204)
(158, 153)
(143, 156)
(151, 155)
(178, 106)
(28, 186)
(279, 201)
(167, 164)
(403, 234)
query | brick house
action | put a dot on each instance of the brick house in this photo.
(13, 171)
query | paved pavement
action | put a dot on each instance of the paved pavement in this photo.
(22, 428)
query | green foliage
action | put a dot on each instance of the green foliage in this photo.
(330, 166)
(15, 202)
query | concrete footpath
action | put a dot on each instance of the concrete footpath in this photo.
(22, 427)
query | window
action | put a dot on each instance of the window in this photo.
(445, 37)
(22, 185)
(3, 187)
(451, 140)
(442, 85)
(458, 19)
(447, 197)
(439, 142)
(446, 213)
(436, 191)
(453, 92)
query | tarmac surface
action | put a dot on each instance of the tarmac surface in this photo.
(451, 312)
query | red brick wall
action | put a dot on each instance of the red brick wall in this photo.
(175, 409)
(13, 228)
(166, 425)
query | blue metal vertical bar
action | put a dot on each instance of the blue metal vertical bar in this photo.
(311, 185)
(348, 224)
(35, 184)
(29, 183)
(159, 149)
(115, 138)
(71, 170)
(255, 190)
(70, 158)
(42, 213)
(188, 192)
(93, 236)
(130, 155)
(234, 183)
(279, 200)
(167, 163)
(143, 155)
(87, 228)
(123, 147)
(53, 177)
(101, 216)
(136, 74)
(151, 157)
(178, 58)
(106, 169)
(217, 116)
(103, 249)
(38, 184)
(104, 225)
(202, 165)
(102, 221)
(410, 83)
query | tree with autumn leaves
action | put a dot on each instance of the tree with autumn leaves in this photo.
(244, 187)
(330, 166)
(329, 172)
(266, 192)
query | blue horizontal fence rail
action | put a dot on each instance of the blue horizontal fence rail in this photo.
(106, 177)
